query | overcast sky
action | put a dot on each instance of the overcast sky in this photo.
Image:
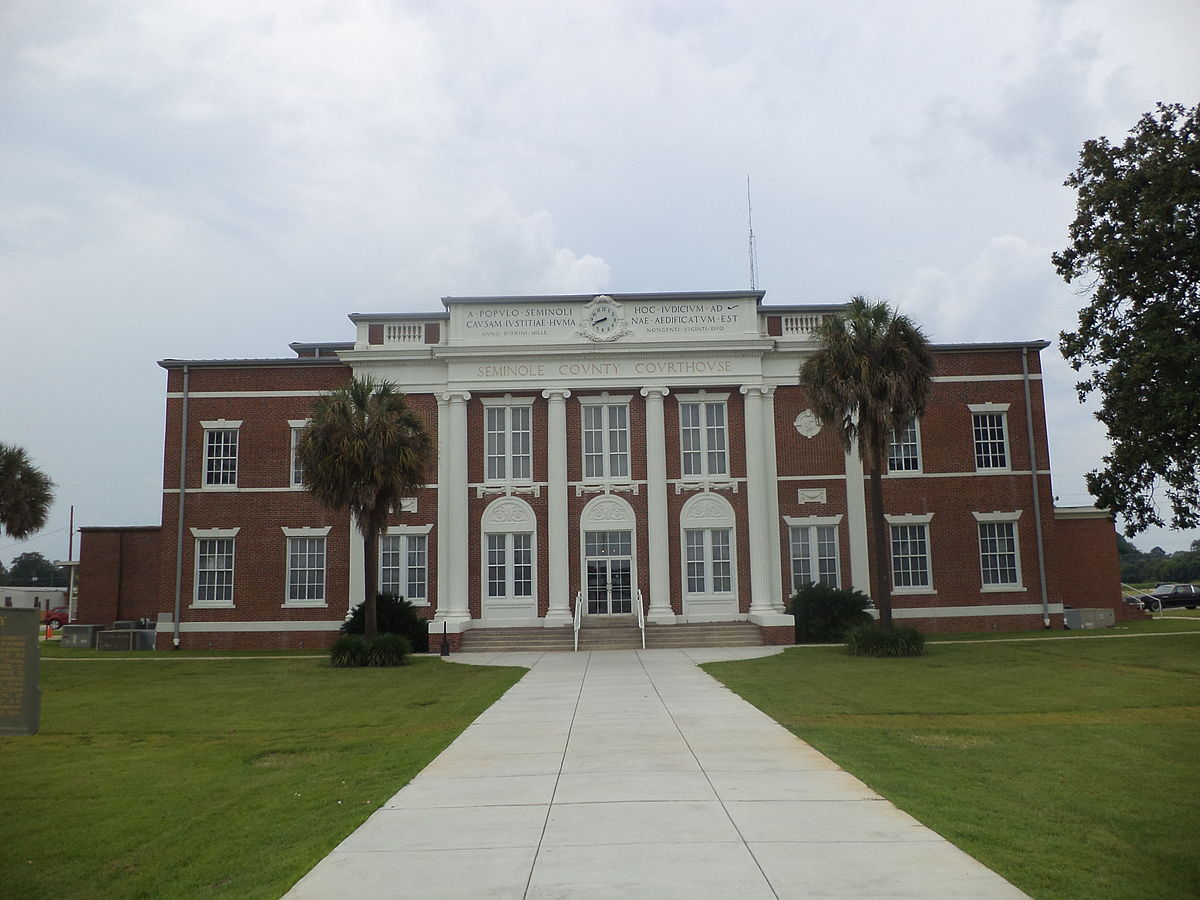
(196, 180)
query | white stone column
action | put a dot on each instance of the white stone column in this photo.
(761, 593)
(559, 611)
(452, 512)
(656, 508)
(771, 479)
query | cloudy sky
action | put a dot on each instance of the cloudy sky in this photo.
(191, 180)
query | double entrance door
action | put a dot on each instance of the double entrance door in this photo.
(608, 556)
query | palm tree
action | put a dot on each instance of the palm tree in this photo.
(872, 373)
(25, 493)
(365, 450)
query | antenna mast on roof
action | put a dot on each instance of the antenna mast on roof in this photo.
(753, 251)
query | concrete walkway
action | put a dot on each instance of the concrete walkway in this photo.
(634, 774)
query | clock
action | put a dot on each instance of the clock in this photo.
(604, 320)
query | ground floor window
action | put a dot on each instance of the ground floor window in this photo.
(510, 565)
(709, 560)
(306, 571)
(404, 566)
(814, 555)
(998, 560)
(214, 572)
(910, 556)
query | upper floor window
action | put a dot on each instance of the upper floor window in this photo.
(606, 439)
(989, 427)
(297, 470)
(404, 563)
(904, 448)
(703, 439)
(220, 453)
(508, 441)
(999, 552)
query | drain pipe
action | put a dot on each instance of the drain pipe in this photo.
(1033, 479)
(182, 494)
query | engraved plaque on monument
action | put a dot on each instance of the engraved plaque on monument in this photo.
(20, 696)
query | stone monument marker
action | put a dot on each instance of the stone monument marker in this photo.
(20, 696)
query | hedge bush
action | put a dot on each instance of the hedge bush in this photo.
(824, 614)
(354, 651)
(348, 651)
(393, 615)
(871, 640)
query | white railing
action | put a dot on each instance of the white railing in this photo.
(578, 616)
(404, 333)
(1145, 597)
(641, 618)
(801, 326)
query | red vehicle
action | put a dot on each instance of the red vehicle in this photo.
(58, 617)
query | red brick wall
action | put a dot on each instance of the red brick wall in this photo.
(1089, 569)
(118, 575)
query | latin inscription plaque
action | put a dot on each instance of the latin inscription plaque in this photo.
(20, 696)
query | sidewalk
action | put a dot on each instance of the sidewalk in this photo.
(634, 774)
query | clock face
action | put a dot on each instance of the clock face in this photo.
(603, 318)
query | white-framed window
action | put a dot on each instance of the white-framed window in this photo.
(814, 551)
(912, 570)
(709, 560)
(904, 448)
(999, 551)
(297, 471)
(213, 582)
(508, 439)
(220, 454)
(305, 566)
(703, 435)
(404, 562)
(989, 429)
(605, 437)
(510, 565)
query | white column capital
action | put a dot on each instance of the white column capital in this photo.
(655, 392)
(763, 390)
(455, 396)
(556, 394)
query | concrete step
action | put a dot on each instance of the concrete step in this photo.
(493, 640)
(612, 634)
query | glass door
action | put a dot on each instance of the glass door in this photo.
(608, 556)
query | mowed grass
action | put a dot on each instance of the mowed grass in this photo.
(1069, 767)
(184, 777)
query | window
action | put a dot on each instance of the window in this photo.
(999, 553)
(904, 449)
(510, 565)
(508, 442)
(910, 556)
(989, 427)
(297, 470)
(709, 561)
(220, 453)
(404, 566)
(306, 571)
(702, 437)
(606, 440)
(814, 555)
(214, 566)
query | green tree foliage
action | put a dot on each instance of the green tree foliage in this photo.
(25, 493)
(872, 372)
(1135, 245)
(394, 615)
(34, 570)
(364, 451)
(824, 614)
(1157, 566)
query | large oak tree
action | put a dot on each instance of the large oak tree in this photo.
(1135, 247)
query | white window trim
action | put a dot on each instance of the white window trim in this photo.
(920, 469)
(722, 517)
(606, 399)
(295, 425)
(208, 534)
(220, 425)
(1000, 409)
(304, 532)
(912, 519)
(508, 401)
(814, 522)
(802, 521)
(998, 516)
(403, 531)
(705, 476)
(523, 523)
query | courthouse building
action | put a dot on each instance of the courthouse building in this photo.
(605, 452)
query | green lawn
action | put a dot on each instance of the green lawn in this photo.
(1070, 767)
(185, 777)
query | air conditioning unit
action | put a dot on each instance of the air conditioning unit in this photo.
(1082, 619)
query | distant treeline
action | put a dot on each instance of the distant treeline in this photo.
(1158, 566)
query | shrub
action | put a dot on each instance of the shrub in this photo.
(823, 613)
(388, 650)
(393, 615)
(871, 640)
(348, 651)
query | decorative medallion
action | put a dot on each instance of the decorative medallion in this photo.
(810, 495)
(808, 424)
(603, 320)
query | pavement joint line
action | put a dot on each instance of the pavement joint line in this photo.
(703, 770)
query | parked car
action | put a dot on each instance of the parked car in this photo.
(58, 617)
(1168, 596)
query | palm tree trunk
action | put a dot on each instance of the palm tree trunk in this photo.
(370, 582)
(883, 577)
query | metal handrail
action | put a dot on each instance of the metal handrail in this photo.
(578, 616)
(641, 618)
(1143, 596)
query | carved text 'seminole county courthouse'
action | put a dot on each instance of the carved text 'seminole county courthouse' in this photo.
(611, 450)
